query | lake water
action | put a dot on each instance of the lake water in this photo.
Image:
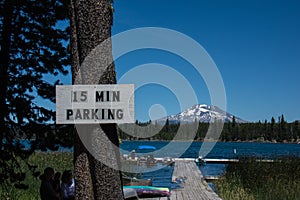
(221, 149)
(162, 177)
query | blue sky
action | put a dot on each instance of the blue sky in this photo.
(255, 45)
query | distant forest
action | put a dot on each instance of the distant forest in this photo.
(272, 131)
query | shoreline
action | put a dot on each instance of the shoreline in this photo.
(219, 141)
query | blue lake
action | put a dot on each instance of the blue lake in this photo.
(220, 150)
(162, 177)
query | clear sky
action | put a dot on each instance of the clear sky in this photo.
(254, 43)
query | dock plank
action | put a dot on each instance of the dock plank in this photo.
(194, 186)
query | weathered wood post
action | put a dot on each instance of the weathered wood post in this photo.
(91, 22)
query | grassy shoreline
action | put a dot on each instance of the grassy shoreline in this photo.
(249, 180)
(239, 141)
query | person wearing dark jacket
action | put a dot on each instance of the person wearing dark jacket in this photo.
(47, 191)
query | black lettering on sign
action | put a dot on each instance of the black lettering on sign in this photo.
(107, 96)
(94, 114)
(79, 96)
(120, 114)
(69, 114)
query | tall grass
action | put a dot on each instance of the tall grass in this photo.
(60, 161)
(250, 179)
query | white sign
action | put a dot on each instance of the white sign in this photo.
(94, 104)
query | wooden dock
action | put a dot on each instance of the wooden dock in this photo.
(227, 161)
(193, 186)
(213, 160)
(220, 161)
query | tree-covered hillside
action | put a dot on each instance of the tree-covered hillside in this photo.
(273, 131)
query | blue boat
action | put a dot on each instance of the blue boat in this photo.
(146, 147)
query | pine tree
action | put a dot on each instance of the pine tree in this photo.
(297, 129)
(284, 132)
(273, 129)
(235, 129)
(31, 48)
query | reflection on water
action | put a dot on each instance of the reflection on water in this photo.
(212, 169)
(161, 178)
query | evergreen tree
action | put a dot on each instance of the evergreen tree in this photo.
(284, 132)
(297, 129)
(266, 131)
(235, 129)
(31, 48)
(259, 130)
(273, 134)
(167, 126)
(233, 122)
(247, 131)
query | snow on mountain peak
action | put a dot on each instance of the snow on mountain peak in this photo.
(202, 113)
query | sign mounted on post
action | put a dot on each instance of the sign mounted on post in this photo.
(94, 104)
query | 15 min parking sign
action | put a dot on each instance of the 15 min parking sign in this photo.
(94, 104)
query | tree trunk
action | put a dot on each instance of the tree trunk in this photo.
(91, 23)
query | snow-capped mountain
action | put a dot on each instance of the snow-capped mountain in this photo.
(202, 113)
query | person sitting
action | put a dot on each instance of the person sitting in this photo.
(68, 186)
(56, 182)
(47, 191)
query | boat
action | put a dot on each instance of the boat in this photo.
(146, 147)
(130, 194)
(129, 181)
(150, 191)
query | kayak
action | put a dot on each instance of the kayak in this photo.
(150, 191)
(146, 147)
(127, 181)
(130, 193)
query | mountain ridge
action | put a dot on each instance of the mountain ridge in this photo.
(201, 113)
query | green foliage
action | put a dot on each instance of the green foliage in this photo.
(232, 190)
(60, 161)
(35, 50)
(250, 179)
(33, 53)
(232, 131)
